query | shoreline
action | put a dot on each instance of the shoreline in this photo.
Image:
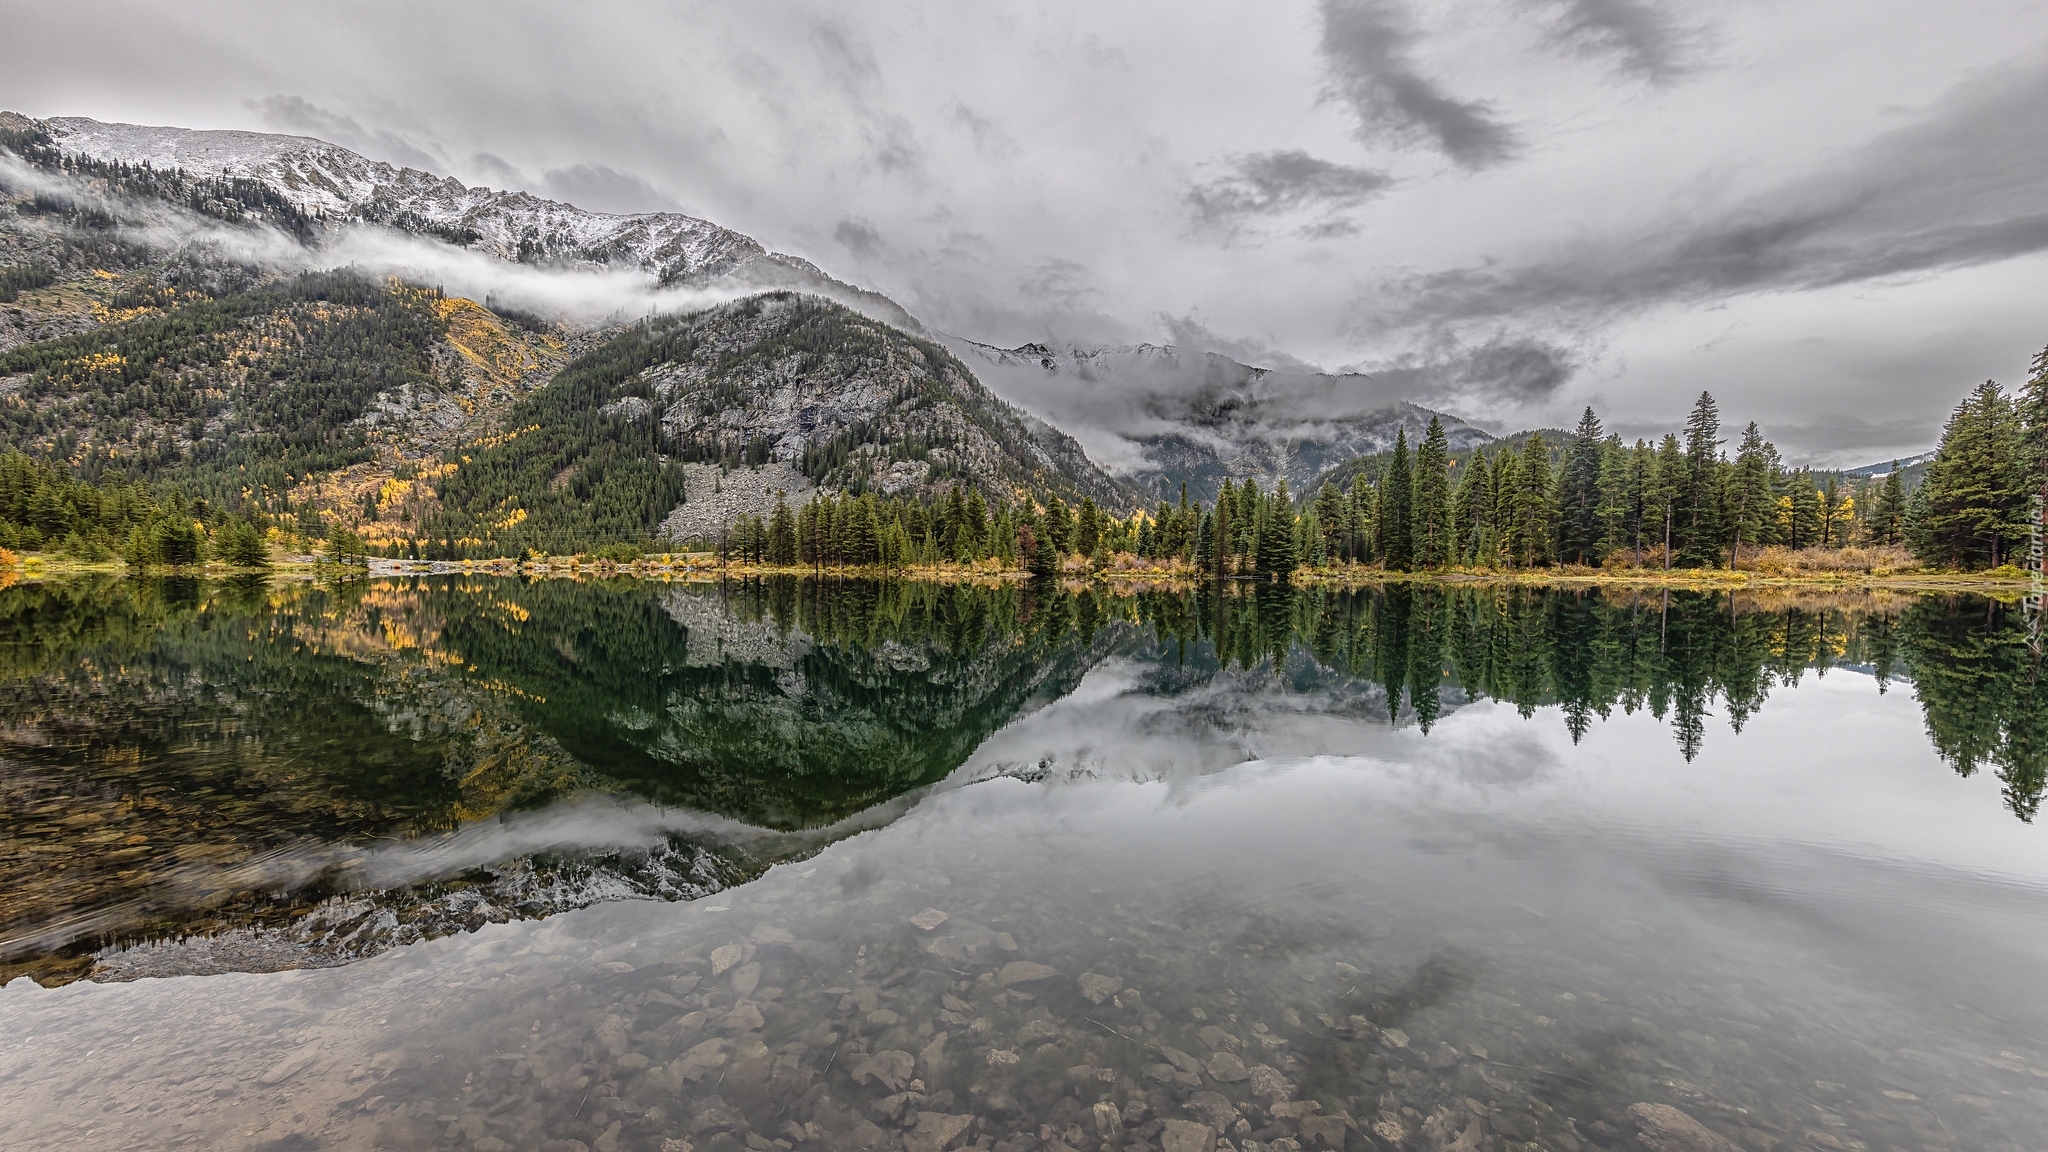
(702, 568)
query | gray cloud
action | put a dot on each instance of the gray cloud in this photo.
(604, 189)
(1366, 44)
(985, 144)
(859, 237)
(1276, 183)
(1962, 185)
(1501, 371)
(299, 116)
(1191, 333)
(1641, 37)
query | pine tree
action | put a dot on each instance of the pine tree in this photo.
(1888, 513)
(1535, 507)
(1640, 508)
(1276, 557)
(1614, 496)
(1397, 501)
(1332, 513)
(1507, 484)
(1363, 526)
(1750, 501)
(781, 534)
(1578, 494)
(2032, 406)
(1669, 488)
(1976, 485)
(1699, 508)
(1430, 526)
(1461, 511)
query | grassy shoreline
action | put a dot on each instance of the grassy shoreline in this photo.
(704, 567)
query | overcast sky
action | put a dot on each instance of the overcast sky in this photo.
(1831, 213)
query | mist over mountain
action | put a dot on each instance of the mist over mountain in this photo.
(347, 209)
(1162, 416)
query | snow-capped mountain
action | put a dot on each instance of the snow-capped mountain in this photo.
(326, 180)
(1162, 416)
(336, 186)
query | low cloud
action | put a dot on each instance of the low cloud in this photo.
(1500, 372)
(1366, 46)
(858, 237)
(1268, 184)
(1191, 333)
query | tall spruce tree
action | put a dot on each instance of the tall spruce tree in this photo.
(1363, 527)
(1670, 491)
(1474, 511)
(1397, 501)
(1430, 526)
(1333, 514)
(2032, 405)
(1507, 487)
(1535, 504)
(1699, 511)
(1578, 494)
(1888, 514)
(1976, 485)
(1750, 502)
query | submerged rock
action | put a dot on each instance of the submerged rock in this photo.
(1662, 1128)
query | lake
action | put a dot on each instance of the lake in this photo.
(586, 866)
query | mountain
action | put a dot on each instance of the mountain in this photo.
(157, 322)
(314, 186)
(1883, 468)
(782, 391)
(1160, 417)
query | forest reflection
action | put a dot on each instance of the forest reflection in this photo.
(241, 741)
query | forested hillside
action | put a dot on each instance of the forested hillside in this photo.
(234, 397)
(849, 402)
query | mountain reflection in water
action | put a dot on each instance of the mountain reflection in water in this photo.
(1020, 868)
(243, 776)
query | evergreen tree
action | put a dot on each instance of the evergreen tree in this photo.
(1834, 509)
(1332, 516)
(1669, 488)
(1699, 506)
(1088, 527)
(1888, 514)
(1976, 485)
(1535, 504)
(240, 544)
(1397, 502)
(1614, 496)
(1640, 512)
(1507, 486)
(1363, 526)
(1750, 502)
(1276, 557)
(1578, 494)
(781, 533)
(1430, 527)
